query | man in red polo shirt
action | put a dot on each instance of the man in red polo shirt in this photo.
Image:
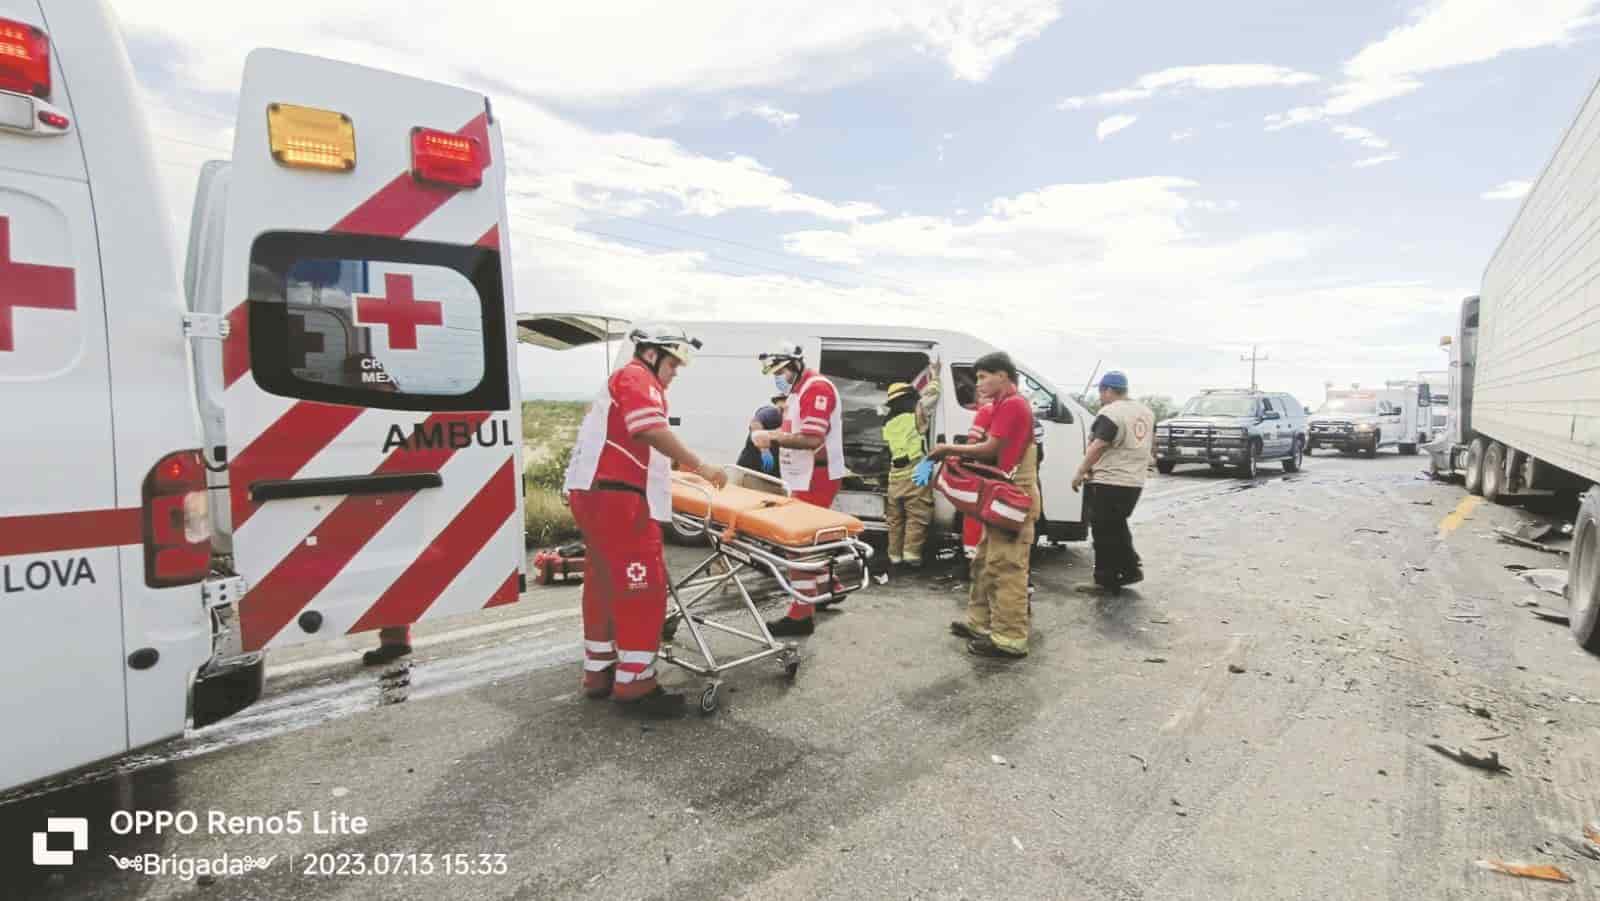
(810, 458)
(997, 623)
(619, 480)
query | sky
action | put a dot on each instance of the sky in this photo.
(1156, 187)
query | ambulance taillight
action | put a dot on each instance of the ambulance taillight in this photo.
(177, 521)
(445, 158)
(24, 59)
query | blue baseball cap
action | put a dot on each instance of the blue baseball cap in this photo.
(1114, 380)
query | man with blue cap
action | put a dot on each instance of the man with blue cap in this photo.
(1119, 457)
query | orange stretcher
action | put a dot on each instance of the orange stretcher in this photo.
(754, 527)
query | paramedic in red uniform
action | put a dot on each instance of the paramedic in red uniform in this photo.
(810, 457)
(619, 484)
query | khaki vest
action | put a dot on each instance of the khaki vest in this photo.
(1127, 461)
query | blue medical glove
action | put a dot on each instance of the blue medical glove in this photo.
(923, 474)
(768, 462)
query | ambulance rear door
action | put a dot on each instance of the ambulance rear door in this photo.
(62, 658)
(370, 379)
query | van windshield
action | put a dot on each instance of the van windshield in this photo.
(1350, 405)
(1220, 405)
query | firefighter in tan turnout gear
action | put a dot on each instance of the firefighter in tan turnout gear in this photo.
(1119, 458)
(910, 506)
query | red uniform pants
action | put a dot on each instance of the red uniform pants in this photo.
(821, 492)
(624, 591)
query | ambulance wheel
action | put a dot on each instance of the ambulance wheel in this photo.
(708, 698)
(1583, 582)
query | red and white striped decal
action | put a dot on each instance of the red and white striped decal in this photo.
(319, 551)
(43, 533)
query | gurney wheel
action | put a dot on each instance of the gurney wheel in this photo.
(708, 698)
(668, 630)
(791, 669)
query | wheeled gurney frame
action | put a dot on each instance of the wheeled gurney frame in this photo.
(830, 549)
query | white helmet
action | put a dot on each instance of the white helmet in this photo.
(669, 338)
(784, 353)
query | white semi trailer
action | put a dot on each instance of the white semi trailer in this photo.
(1524, 387)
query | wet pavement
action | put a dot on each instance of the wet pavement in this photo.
(1251, 722)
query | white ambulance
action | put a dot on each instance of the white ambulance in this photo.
(320, 441)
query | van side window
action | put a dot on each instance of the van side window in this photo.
(966, 385)
(1266, 405)
(377, 322)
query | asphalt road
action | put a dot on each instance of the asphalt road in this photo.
(1252, 722)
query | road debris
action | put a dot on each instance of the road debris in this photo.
(1551, 616)
(1373, 531)
(1463, 617)
(1143, 764)
(1549, 581)
(1422, 503)
(1477, 711)
(997, 760)
(1526, 871)
(1323, 597)
(1017, 842)
(1464, 757)
(1235, 668)
(1155, 660)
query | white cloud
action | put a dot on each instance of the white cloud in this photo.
(1216, 77)
(766, 112)
(1361, 136)
(1444, 35)
(1379, 160)
(1509, 190)
(1113, 124)
(1183, 135)
(597, 52)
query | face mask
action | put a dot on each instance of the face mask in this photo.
(782, 383)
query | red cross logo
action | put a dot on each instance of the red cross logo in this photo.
(29, 285)
(401, 311)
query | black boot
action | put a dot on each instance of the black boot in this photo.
(1132, 577)
(962, 629)
(787, 626)
(385, 653)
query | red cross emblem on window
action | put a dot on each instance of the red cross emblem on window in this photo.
(401, 311)
(29, 285)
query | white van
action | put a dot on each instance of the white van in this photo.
(1368, 420)
(713, 400)
(322, 442)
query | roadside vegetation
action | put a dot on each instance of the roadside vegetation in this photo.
(549, 430)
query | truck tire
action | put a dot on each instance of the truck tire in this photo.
(1295, 458)
(1583, 574)
(1247, 469)
(1371, 450)
(1494, 473)
(1473, 477)
(1165, 467)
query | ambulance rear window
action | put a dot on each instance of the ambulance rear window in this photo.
(378, 322)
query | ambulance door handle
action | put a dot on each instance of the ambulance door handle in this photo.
(390, 483)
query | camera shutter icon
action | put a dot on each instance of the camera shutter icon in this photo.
(77, 827)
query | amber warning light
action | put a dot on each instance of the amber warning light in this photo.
(305, 138)
(443, 158)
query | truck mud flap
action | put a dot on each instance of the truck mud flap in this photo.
(227, 691)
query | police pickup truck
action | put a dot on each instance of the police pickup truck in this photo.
(1234, 429)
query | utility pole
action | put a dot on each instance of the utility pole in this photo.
(1253, 359)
